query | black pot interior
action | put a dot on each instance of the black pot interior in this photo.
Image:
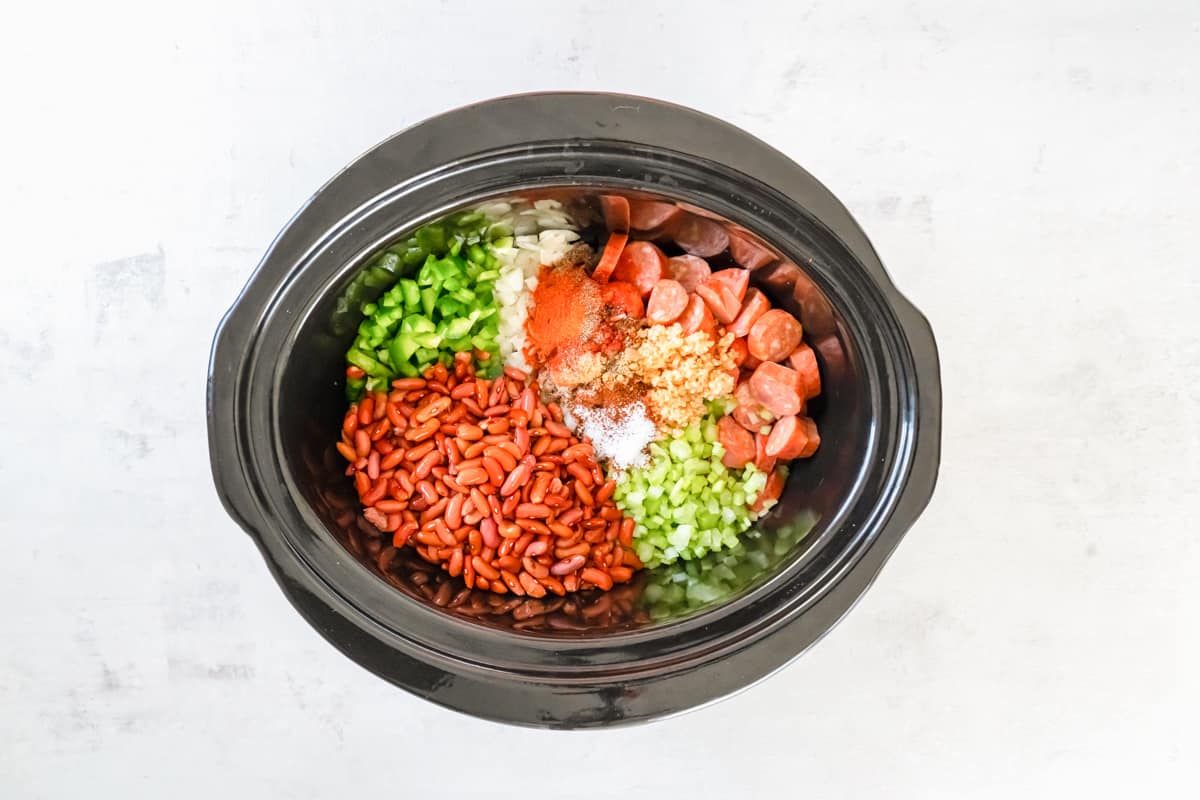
(312, 402)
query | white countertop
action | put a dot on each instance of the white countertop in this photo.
(1029, 175)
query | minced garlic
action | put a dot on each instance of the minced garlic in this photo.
(680, 372)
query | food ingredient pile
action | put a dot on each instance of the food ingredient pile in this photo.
(536, 416)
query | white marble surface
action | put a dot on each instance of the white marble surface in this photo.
(1028, 172)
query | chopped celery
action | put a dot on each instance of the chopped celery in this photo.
(685, 503)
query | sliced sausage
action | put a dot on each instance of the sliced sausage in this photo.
(737, 349)
(642, 264)
(774, 385)
(649, 215)
(762, 461)
(737, 441)
(774, 336)
(623, 298)
(755, 418)
(750, 413)
(808, 374)
(772, 491)
(697, 317)
(612, 254)
(720, 299)
(701, 237)
(793, 437)
(691, 271)
(616, 212)
(668, 298)
(754, 306)
(737, 279)
(747, 252)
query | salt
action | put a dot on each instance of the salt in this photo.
(619, 434)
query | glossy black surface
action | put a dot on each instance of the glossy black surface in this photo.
(275, 404)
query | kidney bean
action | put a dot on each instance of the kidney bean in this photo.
(474, 449)
(520, 441)
(472, 476)
(531, 585)
(570, 516)
(489, 531)
(426, 464)
(498, 393)
(422, 432)
(454, 507)
(392, 460)
(508, 505)
(518, 478)
(498, 427)
(454, 567)
(389, 506)
(508, 562)
(373, 465)
(554, 585)
(415, 454)
(626, 535)
(567, 565)
(494, 470)
(541, 484)
(557, 429)
(469, 432)
(428, 493)
(377, 430)
(597, 577)
(581, 474)
(483, 569)
(540, 546)
(534, 568)
(583, 493)
(347, 452)
(521, 543)
(431, 409)
(470, 463)
(428, 538)
(533, 526)
(366, 410)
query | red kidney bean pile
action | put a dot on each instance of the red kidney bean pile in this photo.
(482, 478)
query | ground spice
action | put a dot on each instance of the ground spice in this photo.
(564, 312)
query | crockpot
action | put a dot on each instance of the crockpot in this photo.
(677, 637)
